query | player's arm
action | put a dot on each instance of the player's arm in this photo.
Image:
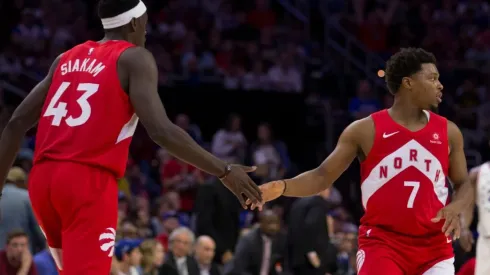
(467, 215)
(458, 170)
(143, 92)
(24, 117)
(314, 181)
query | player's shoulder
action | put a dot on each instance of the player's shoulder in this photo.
(363, 124)
(136, 55)
(359, 128)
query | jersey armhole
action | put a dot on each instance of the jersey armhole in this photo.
(373, 118)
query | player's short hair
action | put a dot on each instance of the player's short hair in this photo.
(15, 234)
(406, 62)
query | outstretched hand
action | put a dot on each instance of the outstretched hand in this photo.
(452, 223)
(242, 186)
(270, 191)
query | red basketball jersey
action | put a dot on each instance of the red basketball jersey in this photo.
(404, 176)
(87, 117)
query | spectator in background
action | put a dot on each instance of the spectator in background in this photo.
(309, 246)
(269, 155)
(256, 79)
(183, 121)
(129, 256)
(365, 102)
(45, 264)
(141, 184)
(262, 250)
(16, 212)
(153, 257)
(181, 241)
(182, 178)
(204, 254)
(284, 76)
(217, 214)
(229, 143)
(16, 258)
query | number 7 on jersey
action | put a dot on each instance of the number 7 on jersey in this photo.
(59, 112)
(415, 188)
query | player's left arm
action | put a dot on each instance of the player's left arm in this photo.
(458, 174)
(458, 170)
(24, 117)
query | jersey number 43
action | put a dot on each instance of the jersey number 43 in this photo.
(57, 109)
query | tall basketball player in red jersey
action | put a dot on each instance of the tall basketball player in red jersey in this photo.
(88, 107)
(406, 153)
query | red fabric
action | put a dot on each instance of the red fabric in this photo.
(163, 239)
(468, 268)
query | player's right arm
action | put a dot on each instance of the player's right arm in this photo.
(137, 68)
(314, 181)
(24, 117)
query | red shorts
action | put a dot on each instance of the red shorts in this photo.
(76, 207)
(387, 253)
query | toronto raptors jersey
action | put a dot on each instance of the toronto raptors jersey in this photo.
(404, 176)
(483, 199)
(87, 117)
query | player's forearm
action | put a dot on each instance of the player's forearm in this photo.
(10, 142)
(182, 146)
(306, 184)
(464, 195)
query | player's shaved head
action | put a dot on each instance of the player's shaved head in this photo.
(112, 8)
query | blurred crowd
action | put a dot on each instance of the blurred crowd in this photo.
(174, 219)
(240, 45)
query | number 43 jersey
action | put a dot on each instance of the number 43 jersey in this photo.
(87, 117)
(404, 177)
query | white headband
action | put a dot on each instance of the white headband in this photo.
(124, 18)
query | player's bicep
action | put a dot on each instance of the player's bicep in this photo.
(29, 110)
(143, 89)
(458, 170)
(344, 153)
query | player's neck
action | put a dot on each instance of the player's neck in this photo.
(113, 36)
(405, 111)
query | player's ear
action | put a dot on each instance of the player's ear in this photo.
(407, 83)
(133, 25)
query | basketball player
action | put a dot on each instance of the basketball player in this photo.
(88, 107)
(480, 180)
(406, 153)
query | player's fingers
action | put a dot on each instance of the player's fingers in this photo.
(438, 217)
(446, 225)
(450, 227)
(248, 202)
(247, 169)
(241, 200)
(249, 195)
(254, 191)
(457, 229)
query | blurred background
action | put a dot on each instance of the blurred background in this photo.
(270, 83)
